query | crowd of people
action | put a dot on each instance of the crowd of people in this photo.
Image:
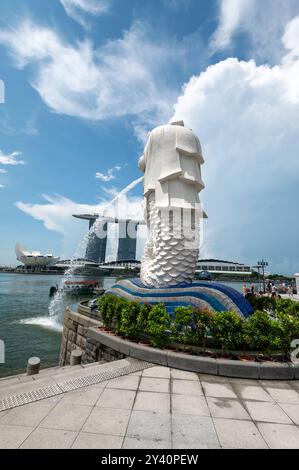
(271, 289)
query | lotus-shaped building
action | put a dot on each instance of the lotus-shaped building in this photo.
(34, 258)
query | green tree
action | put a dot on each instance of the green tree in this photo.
(129, 320)
(227, 329)
(288, 330)
(181, 328)
(158, 323)
(201, 326)
(261, 332)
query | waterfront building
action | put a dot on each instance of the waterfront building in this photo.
(97, 245)
(34, 259)
(216, 266)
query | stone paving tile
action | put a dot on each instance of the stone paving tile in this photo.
(127, 382)
(227, 408)
(107, 421)
(66, 416)
(282, 392)
(97, 441)
(218, 389)
(151, 401)
(20, 388)
(193, 432)
(49, 439)
(117, 398)
(84, 396)
(146, 444)
(217, 379)
(158, 372)
(2, 413)
(183, 375)
(30, 415)
(149, 425)
(151, 384)
(11, 437)
(238, 434)
(291, 410)
(280, 436)
(186, 387)
(267, 412)
(252, 392)
(189, 405)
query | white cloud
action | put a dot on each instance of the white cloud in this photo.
(262, 22)
(116, 80)
(78, 9)
(11, 159)
(109, 176)
(2, 186)
(232, 13)
(2, 172)
(78, 80)
(247, 118)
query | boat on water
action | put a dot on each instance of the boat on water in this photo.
(80, 287)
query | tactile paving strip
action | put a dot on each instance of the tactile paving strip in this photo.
(108, 373)
(29, 397)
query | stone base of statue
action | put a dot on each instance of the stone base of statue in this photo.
(214, 296)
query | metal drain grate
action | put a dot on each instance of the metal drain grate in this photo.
(109, 373)
(29, 397)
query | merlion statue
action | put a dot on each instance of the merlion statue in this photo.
(171, 163)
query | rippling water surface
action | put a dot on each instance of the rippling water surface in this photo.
(25, 324)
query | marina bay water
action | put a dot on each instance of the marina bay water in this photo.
(26, 326)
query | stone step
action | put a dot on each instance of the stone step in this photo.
(35, 388)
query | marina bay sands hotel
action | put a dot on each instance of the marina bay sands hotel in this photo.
(97, 246)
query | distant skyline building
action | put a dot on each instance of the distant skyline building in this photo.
(218, 266)
(34, 259)
(97, 246)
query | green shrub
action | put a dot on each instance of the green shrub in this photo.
(142, 319)
(181, 328)
(259, 332)
(129, 320)
(262, 303)
(201, 326)
(287, 306)
(158, 322)
(227, 329)
(288, 329)
(262, 333)
(106, 307)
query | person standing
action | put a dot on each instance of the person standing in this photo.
(252, 288)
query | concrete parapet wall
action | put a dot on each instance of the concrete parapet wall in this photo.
(97, 345)
(76, 336)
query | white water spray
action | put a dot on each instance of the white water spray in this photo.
(59, 301)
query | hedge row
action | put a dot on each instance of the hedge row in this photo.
(260, 332)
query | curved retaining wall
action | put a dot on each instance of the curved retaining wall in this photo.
(211, 295)
(203, 365)
(84, 333)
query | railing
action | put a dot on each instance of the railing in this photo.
(83, 309)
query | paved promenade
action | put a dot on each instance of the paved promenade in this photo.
(153, 408)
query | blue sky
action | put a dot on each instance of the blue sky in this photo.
(86, 79)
